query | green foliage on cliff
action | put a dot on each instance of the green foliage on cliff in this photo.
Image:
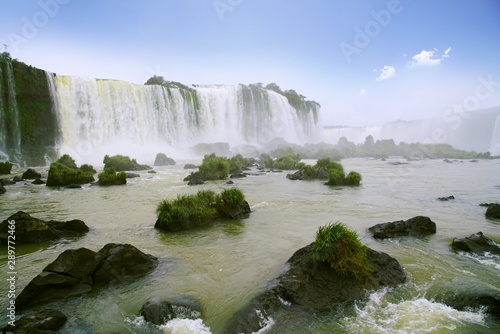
(109, 177)
(62, 175)
(122, 163)
(37, 125)
(199, 208)
(5, 167)
(342, 249)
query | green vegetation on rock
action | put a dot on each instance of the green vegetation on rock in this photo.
(62, 175)
(123, 163)
(110, 177)
(341, 248)
(67, 160)
(287, 162)
(5, 167)
(189, 211)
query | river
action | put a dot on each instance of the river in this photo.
(227, 263)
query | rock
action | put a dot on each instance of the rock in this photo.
(38, 181)
(61, 175)
(473, 160)
(309, 286)
(238, 175)
(195, 181)
(448, 161)
(73, 186)
(418, 226)
(6, 182)
(122, 262)
(44, 321)
(2, 190)
(79, 271)
(17, 178)
(493, 211)
(132, 175)
(31, 174)
(475, 243)
(159, 312)
(34, 230)
(446, 198)
(229, 182)
(237, 212)
(151, 172)
(472, 299)
(190, 166)
(487, 204)
(162, 160)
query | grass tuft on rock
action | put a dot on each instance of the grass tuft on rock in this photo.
(341, 248)
(110, 177)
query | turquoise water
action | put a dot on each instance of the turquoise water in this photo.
(227, 263)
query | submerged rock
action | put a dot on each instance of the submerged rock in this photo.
(159, 312)
(78, 271)
(31, 174)
(418, 226)
(476, 243)
(2, 190)
(493, 211)
(446, 198)
(132, 175)
(33, 230)
(310, 286)
(38, 181)
(44, 321)
(190, 166)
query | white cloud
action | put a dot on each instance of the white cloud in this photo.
(362, 92)
(428, 58)
(386, 73)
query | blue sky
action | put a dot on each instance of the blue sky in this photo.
(366, 62)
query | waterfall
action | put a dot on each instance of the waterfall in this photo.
(54, 101)
(495, 138)
(99, 117)
(11, 115)
(3, 125)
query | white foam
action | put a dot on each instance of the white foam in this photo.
(487, 259)
(408, 316)
(185, 326)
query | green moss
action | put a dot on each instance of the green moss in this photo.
(5, 167)
(200, 208)
(122, 163)
(62, 175)
(214, 167)
(341, 248)
(288, 162)
(109, 177)
(67, 160)
(353, 179)
(88, 168)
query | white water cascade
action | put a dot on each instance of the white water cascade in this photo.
(3, 125)
(99, 117)
(11, 115)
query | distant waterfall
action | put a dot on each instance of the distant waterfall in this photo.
(108, 117)
(495, 141)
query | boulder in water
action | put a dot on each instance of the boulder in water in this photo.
(418, 226)
(444, 199)
(38, 181)
(476, 243)
(493, 211)
(33, 230)
(31, 174)
(78, 271)
(162, 160)
(2, 190)
(311, 286)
